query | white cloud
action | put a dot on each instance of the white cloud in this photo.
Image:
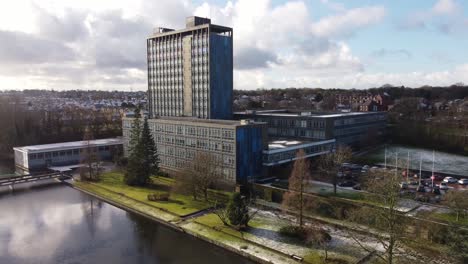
(446, 7)
(363, 80)
(333, 5)
(101, 44)
(445, 16)
(347, 23)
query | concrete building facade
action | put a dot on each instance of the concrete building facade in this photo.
(42, 157)
(351, 129)
(190, 71)
(285, 151)
(237, 146)
(190, 87)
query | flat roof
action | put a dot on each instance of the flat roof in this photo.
(280, 145)
(214, 28)
(304, 113)
(284, 143)
(69, 145)
(204, 121)
(346, 114)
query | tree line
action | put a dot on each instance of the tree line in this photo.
(23, 127)
(456, 91)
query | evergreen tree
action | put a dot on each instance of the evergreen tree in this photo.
(150, 154)
(135, 158)
(238, 212)
(135, 132)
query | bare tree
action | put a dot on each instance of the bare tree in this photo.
(383, 189)
(331, 163)
(222, 212)
(328, 102)
(321, 238)
(199, 175)
(299, 181)
(458, 243)
(90, 159)
(458, 203)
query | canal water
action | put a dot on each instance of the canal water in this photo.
(444, 162)
(57, 224)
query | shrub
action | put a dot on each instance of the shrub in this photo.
(294, 232)
(318, 237)
(238, 211)
(308, 235)
(158, 197)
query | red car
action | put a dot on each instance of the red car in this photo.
(438, 177)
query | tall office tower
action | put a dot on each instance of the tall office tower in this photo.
(190, 71)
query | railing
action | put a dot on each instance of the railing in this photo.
(30, 178)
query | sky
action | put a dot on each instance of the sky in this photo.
(101, 44)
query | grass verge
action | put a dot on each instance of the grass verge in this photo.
(178, 204)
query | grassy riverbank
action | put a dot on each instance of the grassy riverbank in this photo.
(179, 205)
(261, 242)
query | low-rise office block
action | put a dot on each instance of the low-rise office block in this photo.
(237, 146)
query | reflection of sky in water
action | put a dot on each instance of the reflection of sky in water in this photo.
(32, 229)
(58, 224)
(444, 162)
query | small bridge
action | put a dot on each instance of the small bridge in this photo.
(9, 181)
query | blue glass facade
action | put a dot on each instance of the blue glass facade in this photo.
(249, 152)
(221, 76)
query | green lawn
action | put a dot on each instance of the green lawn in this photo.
(351, 195)
(271, 225)
(450, 217)
(178, 204)
(123, 200)
(213, 221)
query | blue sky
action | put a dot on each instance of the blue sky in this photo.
(100, 44)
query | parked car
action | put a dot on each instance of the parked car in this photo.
(450, 180)
(463, 181)
(347, 184)
(357, 187)
(404, 185)
(443, 186)
(414, 182)
(421, 188)
(345, 165)
(438, 177)
(365, 167)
